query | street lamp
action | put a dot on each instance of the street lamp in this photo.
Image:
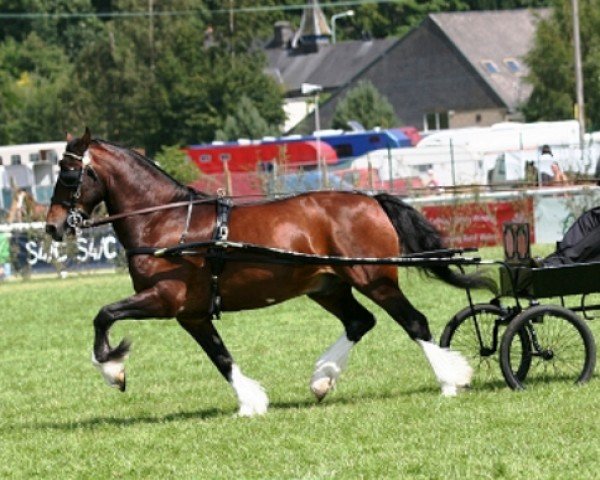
(578, 73)
(308, 89)
(347, 13)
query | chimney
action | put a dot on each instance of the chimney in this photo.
(314, 29)
(282, 34)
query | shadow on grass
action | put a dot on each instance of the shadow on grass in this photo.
(308, 403)
(99, 422)
(103, 421)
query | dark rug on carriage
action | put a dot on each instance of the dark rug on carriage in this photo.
(581, 243)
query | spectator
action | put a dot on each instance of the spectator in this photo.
(546, 163)
(431, 182)
(558, 176)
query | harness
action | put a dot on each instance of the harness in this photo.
(216, 253)
(72, 180)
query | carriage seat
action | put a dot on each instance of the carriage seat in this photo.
(516, 240)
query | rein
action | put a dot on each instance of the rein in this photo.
(142, 211)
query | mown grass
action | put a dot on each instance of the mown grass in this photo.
(385, 420)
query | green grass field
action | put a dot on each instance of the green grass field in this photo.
(177, 419)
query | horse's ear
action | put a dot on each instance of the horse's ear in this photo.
(86, 139)
(69, 137)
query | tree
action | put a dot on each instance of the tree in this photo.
(35, 83)
(366, 105)
(176, 163)
(552, 66)
(246, 122)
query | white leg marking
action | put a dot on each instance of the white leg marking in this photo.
(251, 395)
(330, 366)
(112, 371)
(451, 368)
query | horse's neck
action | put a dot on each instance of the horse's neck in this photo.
(139, 187)
(133, 186)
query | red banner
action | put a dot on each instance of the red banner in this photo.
(478, 224)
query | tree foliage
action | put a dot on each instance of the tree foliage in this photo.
(245, 122)
(366, 105)
(176, 163)
(144, 80)
(551, 64)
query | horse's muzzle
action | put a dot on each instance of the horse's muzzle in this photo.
(55, 232)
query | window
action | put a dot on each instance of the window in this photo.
(205, 158)
(49, 156)
(424, 168)
(490, 67)
(513, 65)
(1, 161)
(34, 157)
(436, 121)
(225, 157)
(374, 139)
(15, 159)
(266, 167)
(344, 150)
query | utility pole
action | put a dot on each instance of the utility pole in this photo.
(578, 73)
(151, 32)
(231, 28)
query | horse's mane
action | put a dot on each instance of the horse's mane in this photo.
(183, 191)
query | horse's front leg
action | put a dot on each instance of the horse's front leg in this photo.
(111, 361)
(251, 396)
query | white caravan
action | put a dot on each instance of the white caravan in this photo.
(506, 147)
(447, 164)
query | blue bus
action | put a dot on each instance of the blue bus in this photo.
(354, 144)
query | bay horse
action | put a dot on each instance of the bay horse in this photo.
(349, 224)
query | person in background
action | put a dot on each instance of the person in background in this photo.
(558, 176)
(431, 183)
(5, 267)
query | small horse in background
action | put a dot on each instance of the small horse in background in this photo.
(346, 224)
(24, 208)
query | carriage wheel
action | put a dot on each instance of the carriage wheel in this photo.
(474, 333)
(562, 347)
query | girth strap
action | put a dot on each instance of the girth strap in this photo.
(216, 254)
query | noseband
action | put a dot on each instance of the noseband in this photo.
(72, 180)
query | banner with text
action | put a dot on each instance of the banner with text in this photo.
(478, 224)
(94, 249)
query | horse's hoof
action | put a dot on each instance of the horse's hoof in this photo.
(121, 381)
(321, 387)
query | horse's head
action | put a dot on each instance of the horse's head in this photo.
(77, 190)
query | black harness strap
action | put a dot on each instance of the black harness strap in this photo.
(216, 254)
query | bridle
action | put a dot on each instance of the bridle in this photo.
(72, 179)
(77, 219)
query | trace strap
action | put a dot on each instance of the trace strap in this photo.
(216, 253)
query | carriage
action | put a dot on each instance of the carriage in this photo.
(535, 342)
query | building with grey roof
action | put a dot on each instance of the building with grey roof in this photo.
(454, 70)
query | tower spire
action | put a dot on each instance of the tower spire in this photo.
(314, 28)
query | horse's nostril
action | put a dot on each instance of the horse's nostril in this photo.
(54, 232)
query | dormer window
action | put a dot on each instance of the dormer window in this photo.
(490, 67)
(513, 65)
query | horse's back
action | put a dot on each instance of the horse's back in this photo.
(327, 223)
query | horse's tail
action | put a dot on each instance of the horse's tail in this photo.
(416, 234)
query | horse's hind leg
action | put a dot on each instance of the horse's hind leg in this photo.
(451, 369)
(251, 396)
(357, 322)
